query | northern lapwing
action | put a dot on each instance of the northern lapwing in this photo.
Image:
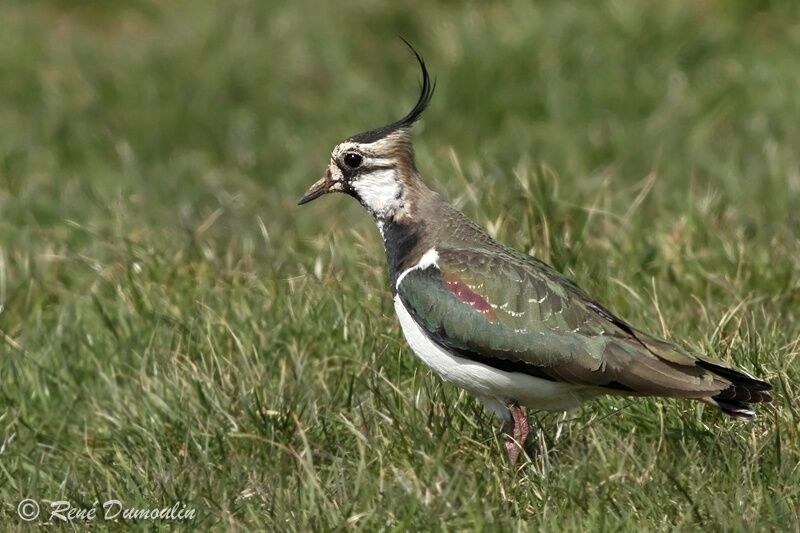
(497, 322)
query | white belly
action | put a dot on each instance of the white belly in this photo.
(488, 383)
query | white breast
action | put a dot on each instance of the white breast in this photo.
(490, 384)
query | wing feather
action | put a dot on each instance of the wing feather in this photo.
(513, 312)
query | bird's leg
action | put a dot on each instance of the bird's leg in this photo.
(516, 430)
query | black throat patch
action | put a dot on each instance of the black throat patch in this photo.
(402, 241)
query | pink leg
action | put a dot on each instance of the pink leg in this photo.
(516, 430)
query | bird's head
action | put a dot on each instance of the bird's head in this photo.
(376, 166)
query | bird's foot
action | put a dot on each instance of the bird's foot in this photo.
(516, 430)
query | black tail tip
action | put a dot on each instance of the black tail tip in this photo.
(744, 390)
(735, 409)
(736, 400)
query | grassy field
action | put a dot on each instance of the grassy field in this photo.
(173, 328)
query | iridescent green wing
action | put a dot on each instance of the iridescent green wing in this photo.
(512, 312)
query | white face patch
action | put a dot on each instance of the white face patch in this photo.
(375, 181)
(380, 192)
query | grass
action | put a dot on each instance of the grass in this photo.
(174, 328)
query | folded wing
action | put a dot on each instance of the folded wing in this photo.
(512, 312)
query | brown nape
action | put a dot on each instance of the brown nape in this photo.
(398, 146)
(419, 201)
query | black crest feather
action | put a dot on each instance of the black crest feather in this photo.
(426, 92)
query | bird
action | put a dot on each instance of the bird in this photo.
(497, 322)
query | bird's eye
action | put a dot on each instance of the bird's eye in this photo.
(352, 159)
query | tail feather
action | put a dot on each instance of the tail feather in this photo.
(744, 390)
(734, 409)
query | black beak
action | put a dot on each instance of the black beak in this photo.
(322, 186)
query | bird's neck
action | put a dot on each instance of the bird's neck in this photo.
(413, 229)
(403, 241)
